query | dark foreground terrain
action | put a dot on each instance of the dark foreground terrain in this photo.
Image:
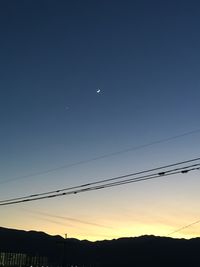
(139, 251)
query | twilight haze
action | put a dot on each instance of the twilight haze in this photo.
(84, 79)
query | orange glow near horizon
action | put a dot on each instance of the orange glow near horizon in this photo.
(133, 211)
(118, 229)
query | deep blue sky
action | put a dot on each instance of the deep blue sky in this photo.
(54, 55)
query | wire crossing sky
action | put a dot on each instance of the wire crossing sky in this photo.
(103, 156)
(102, 184)
(93, 89)
(184, 227)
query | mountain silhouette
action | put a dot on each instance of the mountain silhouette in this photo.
(133, 251)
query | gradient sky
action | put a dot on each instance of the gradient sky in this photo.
(144, 56)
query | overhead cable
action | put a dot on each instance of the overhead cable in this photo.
(183, 227)
(173, 171)
(81, 162)
(107, 180)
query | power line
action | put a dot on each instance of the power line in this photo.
(106, 180)
(180, 170)
(86, 189)
(184, 227)
(81, 162)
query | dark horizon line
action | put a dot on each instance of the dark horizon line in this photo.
(117, 238)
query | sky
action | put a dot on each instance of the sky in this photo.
(144, 58)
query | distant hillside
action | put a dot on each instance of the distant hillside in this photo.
(139, 251)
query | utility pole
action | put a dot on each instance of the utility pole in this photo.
(64, 264)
